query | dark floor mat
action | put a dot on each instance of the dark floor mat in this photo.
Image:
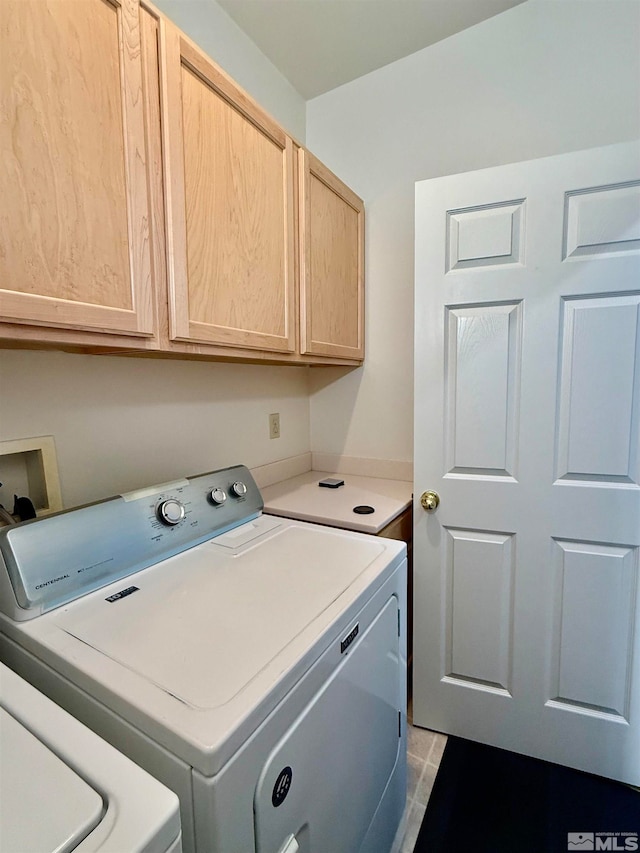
(488, 800)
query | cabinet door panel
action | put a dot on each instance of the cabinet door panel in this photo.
(229, 190)
(332, 269)
(74, 248)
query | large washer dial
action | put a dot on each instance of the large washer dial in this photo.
(238, 490)
(170, 512)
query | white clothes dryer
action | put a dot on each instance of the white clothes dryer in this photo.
(63, 789)
(255, 665)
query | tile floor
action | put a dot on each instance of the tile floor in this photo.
(424, 751)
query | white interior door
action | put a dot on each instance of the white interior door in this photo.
(527, 411)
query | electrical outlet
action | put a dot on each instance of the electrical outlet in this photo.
(274, 425)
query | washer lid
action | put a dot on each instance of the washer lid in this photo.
(206, 623)
(45, 807)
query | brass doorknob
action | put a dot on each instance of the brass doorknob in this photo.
(430, 500)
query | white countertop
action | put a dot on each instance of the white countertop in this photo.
(301, 497)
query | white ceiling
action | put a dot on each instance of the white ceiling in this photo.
(321, 44)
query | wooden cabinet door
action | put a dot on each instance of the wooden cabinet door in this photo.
(229, 195)
(332, 263)
(74, 247)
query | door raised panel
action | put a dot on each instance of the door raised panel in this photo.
(602, 221)
(229, 189)
(490, 235)
(74, 237)
(482, 369)
(479, 571)
(332, 263)
(599, 398)
(592, 642)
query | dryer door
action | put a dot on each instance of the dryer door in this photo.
(322, 783)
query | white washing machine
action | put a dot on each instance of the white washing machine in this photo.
(63, 789)
(255, 665)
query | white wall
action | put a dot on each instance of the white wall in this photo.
(123, 423)
(545, 77)
(120, 423)
(207, 24)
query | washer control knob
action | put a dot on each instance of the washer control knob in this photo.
(238, 490)
(218, 496)
(171, 512)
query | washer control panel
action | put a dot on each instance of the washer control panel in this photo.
(55, 559)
